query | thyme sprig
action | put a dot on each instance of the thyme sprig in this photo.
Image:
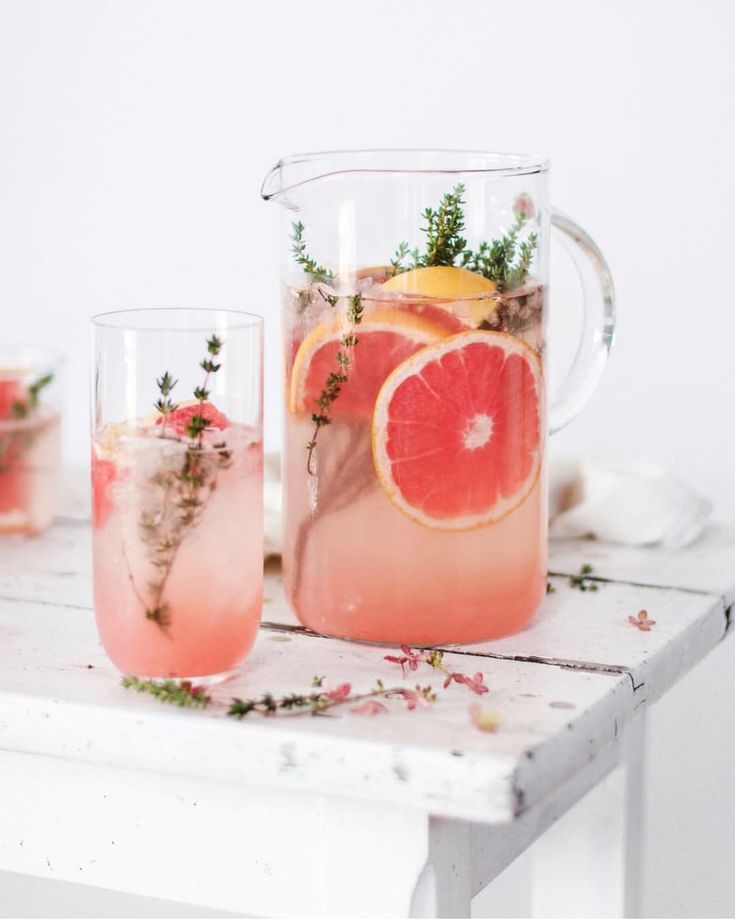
(322, 699)
(506, 260)
(22, 408)
(164, 404)
(180, 693)
(337, 378)
(582, 581)
(444, 240)
(184, 491)
(309, 265)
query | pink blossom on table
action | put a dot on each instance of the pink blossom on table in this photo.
(484, 719)
(475, 683)
(409, 659)
(421, 697)
(642, 621)
(338, 693)
(524, 205)
(369, 708)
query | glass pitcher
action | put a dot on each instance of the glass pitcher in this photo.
(414, 316)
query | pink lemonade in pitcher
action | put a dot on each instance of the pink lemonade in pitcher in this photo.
(415, 501)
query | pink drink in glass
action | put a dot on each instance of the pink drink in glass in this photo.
(191, 608)
(177, 483)
(30, 453)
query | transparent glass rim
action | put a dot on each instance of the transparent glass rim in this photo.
(326, 164)
(27, 357)
(204, 319)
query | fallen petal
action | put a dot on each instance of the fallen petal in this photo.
(484, 719)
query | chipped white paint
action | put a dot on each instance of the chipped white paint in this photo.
(457, 804)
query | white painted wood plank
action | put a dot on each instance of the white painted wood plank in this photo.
(707, 565)
(591, 630)
(253, 850)
(52, 703)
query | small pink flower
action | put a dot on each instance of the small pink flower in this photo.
(642, 621)
(524, 205)
(339, 693)
(414, 699)
(409, 659)
(484, 719)
(369, 708)
(476, 684)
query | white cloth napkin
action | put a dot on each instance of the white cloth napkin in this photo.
(632, 503)
(637, 504)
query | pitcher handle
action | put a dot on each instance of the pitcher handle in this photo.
(598, 326)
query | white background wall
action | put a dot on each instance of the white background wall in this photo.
(134, 135)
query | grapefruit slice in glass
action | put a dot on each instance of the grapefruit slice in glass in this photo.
(385, 338)
(457, 430)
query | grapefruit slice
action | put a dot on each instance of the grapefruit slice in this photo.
(448, 283)
(457, 430)
(179, 419)
(386, 337)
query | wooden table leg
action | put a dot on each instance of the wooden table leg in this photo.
(588, 863)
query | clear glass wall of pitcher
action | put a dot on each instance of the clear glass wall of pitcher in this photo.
(414, 306)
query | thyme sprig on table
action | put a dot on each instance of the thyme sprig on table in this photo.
(337, 378)
(322, 698)
(184, 490)
(179, 693)
(582, 581)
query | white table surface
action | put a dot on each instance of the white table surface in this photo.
(566, 691)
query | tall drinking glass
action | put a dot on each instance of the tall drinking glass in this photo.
(30, 438)
(177, 482)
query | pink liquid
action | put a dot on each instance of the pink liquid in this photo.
(357, 567)
(30, 471)
(213, 590)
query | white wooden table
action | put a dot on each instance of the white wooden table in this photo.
(405, 814)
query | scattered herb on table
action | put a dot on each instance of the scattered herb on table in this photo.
(582, 581)
(179, 693)
(325, 697)
(409, 659)
(320, 701)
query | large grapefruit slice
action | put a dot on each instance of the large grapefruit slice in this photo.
(386, 337)
(457, 430)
